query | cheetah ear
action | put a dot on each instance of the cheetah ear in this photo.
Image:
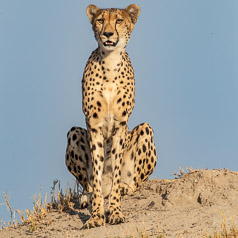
(92, 11)
(134, 11)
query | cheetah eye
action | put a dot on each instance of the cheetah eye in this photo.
(100, 21)
(119, 21)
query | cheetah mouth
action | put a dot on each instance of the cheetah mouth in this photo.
(109, 43)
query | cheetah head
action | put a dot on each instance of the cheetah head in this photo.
(112, 27)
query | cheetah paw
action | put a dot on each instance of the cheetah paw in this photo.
(126, 190)
(116, 218)
(94, 221)
(83, 205)
(83, 201)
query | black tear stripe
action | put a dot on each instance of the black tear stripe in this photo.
(116, 32)
(102, 26)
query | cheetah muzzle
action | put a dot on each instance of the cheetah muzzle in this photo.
(108, 159)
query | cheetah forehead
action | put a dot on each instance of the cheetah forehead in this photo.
(110, 14)
(130, 13)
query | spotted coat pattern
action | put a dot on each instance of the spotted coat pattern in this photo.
(107, 159)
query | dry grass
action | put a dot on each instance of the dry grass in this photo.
(181, 172)
(56, 201)
(63, 201)
(225, 232)
(13, 220)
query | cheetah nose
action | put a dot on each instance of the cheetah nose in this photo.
(108, 34)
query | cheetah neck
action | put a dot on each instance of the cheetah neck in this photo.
(112, 58)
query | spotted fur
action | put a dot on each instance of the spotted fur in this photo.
(107, 159)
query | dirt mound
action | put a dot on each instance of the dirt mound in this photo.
(192, 205)
(206, 187)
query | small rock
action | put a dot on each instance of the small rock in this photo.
(151, 204)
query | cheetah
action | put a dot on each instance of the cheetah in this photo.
(108, 159)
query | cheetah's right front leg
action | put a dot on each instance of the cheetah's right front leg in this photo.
(97, 153)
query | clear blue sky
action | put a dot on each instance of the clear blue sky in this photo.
(185, 56)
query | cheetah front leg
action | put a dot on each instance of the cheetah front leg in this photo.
(97, 153)
(115, 214)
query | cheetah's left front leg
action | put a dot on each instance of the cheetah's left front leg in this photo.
(115, 214)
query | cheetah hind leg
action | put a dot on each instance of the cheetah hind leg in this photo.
(139, 158)
(78, 162)
(145, 153)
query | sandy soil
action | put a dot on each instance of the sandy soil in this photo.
(190, 206)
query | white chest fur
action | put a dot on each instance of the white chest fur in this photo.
(111, 64)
